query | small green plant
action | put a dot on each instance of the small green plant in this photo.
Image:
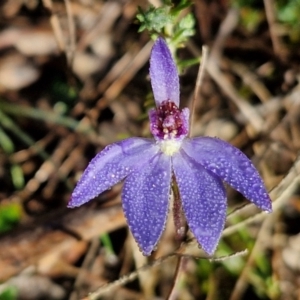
(107, 244)
(10, 214)
(8, 148)
(288, 14)
(172, 21)
(251, 13)
(154, 19)
(9, 293)
(289, 11)
(167, 21)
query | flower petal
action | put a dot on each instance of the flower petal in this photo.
(110, 166)
(145, 199)
(163, 74)
(232, 165)
(203, 200)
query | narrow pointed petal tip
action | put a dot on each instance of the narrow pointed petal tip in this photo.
(110, 166)
(163, 74)
(232, 166)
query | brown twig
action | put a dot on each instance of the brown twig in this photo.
(283, 192)
(252, 80)
(178, 277)
(260, 245)
(213, 68)
(271, 18)
(132, 276)
(57, 30)
(200, 76)
(89, 258)
(70, 50)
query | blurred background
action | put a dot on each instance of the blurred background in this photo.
(74, 78)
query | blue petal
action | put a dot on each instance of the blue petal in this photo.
(231, 165)
(163, 74)
(203, 200)
(145, 199)
(110, 166)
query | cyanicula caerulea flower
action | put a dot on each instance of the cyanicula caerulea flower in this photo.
(199, 166)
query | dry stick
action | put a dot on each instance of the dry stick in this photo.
(125, 279)
(115, 88)
(212, 67)
(58, 33)
(116, 71)
(200, 76)
(271, 18)
(246, 109)
(90, 256)
(132, 276)
(70, 50)
(155, 3)
(258, 248)
(181, 262)
(252, 80)
(286, 188)
(279, 195)
(227, 27)
(110, 11)
(277, 191)
(291, 99)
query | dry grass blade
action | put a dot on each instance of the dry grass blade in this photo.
(199, 80)
(70, 51)
(132, 276)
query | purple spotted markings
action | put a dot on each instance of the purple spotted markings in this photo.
(199, 165)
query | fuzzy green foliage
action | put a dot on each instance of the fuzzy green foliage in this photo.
(10, 293)
(168, 21)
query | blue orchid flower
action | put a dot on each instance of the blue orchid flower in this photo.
(199, 166)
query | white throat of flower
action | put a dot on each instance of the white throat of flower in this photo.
(169, 147)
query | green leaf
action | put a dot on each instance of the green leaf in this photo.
(154, 19)
(105, 239)
(10, 214)
(9, 293)
(6, 143)
(17, 176)
(188, 22)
